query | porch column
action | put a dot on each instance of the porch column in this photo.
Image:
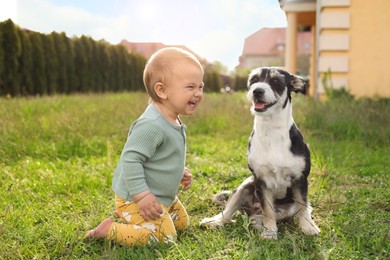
(313, 65)
(291, 42)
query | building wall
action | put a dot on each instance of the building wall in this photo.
(353, 44)
(334, 44)
(351, 41)
(369, 48)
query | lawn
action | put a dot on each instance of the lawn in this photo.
(58, 154)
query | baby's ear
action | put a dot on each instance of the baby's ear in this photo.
(298, 84)
(160, 90)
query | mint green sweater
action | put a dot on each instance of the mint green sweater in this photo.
(153, 158)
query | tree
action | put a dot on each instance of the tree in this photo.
(213, 81)
(219, 67)
(240, 82)
(11, 51)
(114, 67)
(136, 68)
(123, 66)
(51, 64)
(25, 64)
(241, 78)
(38, 58)
(70, 65)
(2, 64)
(104, 65)
(59, 41)
(88, 46)
(33, 63)
(80, 65)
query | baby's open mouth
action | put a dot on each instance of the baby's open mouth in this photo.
(192, 103)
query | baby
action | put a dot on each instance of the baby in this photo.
(152, 163)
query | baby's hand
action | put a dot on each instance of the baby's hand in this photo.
(186, 181)
(148, 205)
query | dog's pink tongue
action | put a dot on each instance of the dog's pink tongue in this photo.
(259, 105)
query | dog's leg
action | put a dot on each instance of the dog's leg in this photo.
(222, 197)
(269, 228)
(235, 203)
(306, 223)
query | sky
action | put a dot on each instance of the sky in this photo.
(214, 29)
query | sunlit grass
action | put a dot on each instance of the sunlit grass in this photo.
(57, 156)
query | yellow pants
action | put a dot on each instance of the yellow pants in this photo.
(136, 231)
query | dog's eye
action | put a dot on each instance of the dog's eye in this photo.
(275, 81)
(254, 79)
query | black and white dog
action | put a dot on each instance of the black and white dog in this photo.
(277, 157)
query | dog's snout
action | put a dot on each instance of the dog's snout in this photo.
(258, 92)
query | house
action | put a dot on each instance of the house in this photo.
(266, 47)
(146, 49)
(350, 40)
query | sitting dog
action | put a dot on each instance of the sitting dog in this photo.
(277, 157)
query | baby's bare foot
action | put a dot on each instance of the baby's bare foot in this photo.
(100, 231)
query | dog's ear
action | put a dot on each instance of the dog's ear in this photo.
(298, 84)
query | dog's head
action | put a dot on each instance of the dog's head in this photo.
(270, 88)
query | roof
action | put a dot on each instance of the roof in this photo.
(146, 49)
(271, 41)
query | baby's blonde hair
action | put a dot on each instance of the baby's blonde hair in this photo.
(161, 63)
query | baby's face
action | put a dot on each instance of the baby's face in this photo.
(185, 88)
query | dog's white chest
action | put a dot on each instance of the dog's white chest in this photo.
(271, 159)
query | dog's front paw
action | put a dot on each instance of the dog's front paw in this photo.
(214, 222)
(269, 234)
(257, 222)
(310, 228)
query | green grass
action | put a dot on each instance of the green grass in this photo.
(57, 156)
